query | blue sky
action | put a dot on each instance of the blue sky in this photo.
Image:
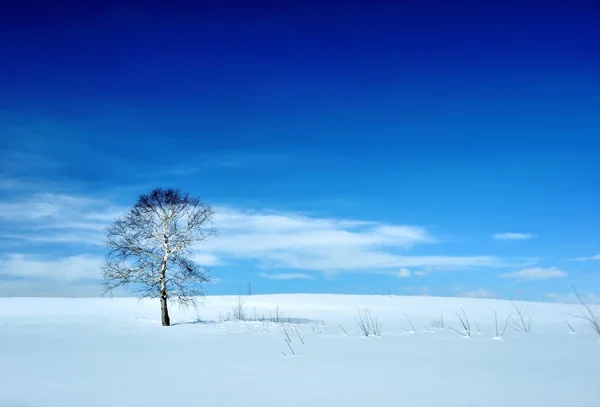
(352, 148)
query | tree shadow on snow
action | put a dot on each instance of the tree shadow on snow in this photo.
(195, 322)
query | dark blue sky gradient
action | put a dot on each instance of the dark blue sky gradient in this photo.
(464, 117)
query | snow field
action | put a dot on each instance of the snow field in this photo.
(113, 352)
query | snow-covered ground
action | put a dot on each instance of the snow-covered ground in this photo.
(113, 352)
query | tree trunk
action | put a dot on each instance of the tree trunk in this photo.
(166, 321)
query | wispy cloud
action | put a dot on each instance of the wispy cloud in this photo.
(205, 259)
(65, 269)
(594, 257)
(513, 236)
(536, 274)
(275, 240)
(58, 218)
(291, 240)
(286, 276)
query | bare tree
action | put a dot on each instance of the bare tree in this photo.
(150, 248)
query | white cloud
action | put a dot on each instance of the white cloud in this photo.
(286, 276)
(285, 240)
(205, 259)
(58, 218)
(252, 231)
(404, 273)
(420, 273)
(536, 274)
(594, 257)
(66, 269)
(343, 259)
(513, 236)
(273, 239)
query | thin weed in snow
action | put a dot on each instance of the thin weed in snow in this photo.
(411, 325)
(437, 324)
(298, 333)
(343, 330)
(288, 338)
(500, 332)
(465, 323)
(289, 344)
(367, 324)
(239, 313)
(520, 321)
(591, 316)
(277, 316)
(571, 330)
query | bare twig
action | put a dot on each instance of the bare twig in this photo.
(298, 333)
(411, 325)
(343, 330)
(500, 334)
(291, 349)
(520, 321)
(465, 323)
(287, 335)
(592, 317)
(570, 327)
(277, 316)
(287, 339)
